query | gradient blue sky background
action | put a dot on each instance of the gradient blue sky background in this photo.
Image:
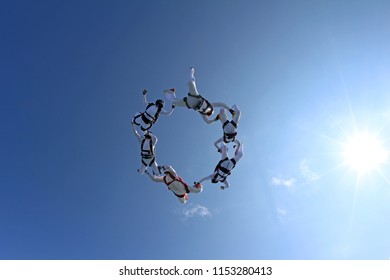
(306, 75)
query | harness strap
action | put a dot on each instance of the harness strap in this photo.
(179, 195)
(176, 179)
(207, 110)
(136, 117)
(199, 104)
(215, 178)
(151, 162)
(186, 102)
(151, 119)
(226, 172)
(230, 136)
(146, 129)
(227, 122)
(148, 120)
(147, 152)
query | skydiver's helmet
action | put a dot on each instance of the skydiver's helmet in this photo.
(198, 187)
(160, 103)
(148, 134)
(210, 112)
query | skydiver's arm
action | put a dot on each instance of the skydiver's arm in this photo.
(155, 178)
(209, 177)
(224, 151)
(226, 183)
(144, 92)
(216, 144)
(139, 138)
(179, 102)
(154, 140)
(209, 121)
(167, 113)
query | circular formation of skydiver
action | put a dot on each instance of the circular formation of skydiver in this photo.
(142, 123)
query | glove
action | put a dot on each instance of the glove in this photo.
(144, 91)
(222, 187)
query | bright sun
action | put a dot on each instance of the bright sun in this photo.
(364, 152)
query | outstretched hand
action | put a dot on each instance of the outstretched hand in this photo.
(145, 91)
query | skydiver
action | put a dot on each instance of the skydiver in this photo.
(175, 183)
(194, 100)
(229, 127)
(225, 166)
(148, 157)
(149, 117)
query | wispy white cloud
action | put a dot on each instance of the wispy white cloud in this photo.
(306, 172)
(197, 210)
(281, 181)
(281, 213)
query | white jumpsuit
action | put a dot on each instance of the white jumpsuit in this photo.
(176, 184)
(145, 120)
(224, 166)
(195, 101)
(148, 155)
(229, 127)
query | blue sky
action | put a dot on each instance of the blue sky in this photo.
(305, 74)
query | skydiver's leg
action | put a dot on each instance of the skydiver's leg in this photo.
(192, 74)
(237, 114)
(226, 184)
(222, 115)
(183, 199)
(191, 84)
(220, 104)
(239, 152)
(160, 169)
(155, 168)
(192, 88)
(142, 169)
(136, 134)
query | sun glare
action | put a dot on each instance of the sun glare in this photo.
(364, 152)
